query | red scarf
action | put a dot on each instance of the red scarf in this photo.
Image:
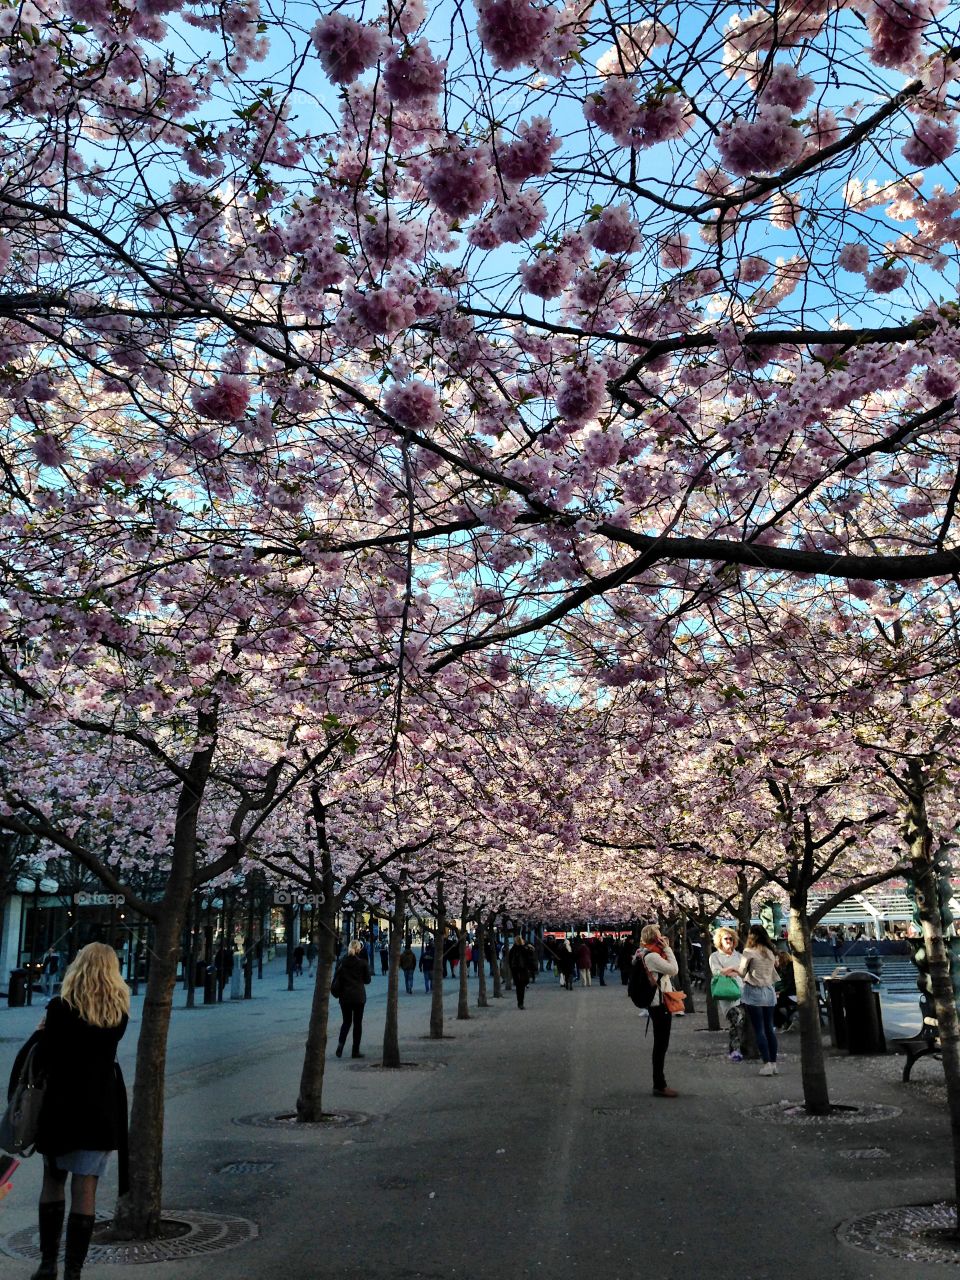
(656, 946)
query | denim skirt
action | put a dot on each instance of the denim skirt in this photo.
(758, 996)
(89, 1163)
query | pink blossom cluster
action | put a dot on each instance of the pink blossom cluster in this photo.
(460, 182)
(932, 142)
(766, 144)
(413, 404)
(886, 279)
(385, 310)
(896, 29)
(614, 231)
(617, 110)
(530, 154)
(517, 217)
(675, 251)
(512, 31)
(785, 87)
(581, 393)
(346, 48)
(48, 450)
(854, 257)
(412, 77)
(225, 401)
(388, 238)
(547, 275)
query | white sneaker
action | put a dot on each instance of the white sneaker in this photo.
(768, 1069)
(776, 1070)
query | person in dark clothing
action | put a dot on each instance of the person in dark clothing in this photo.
(427, 954)
(408, 966)
(600, 956)
(566, 964)
(354, 975)
(384, 953)
(628, 949)
(522, 961)
(84, 1113)
(298, 954)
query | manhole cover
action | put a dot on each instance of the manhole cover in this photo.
(920, 1232)
(785, 1112)
(288, 1120)
(191, 1234)
(248, 1166)
(864, 1153)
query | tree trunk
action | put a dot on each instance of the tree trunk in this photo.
(391, 1035)
(436, 1003)
(310, 1098)
(463, 1002)
(481, 945)
(813, 1069)
(137, 1214)
(683, 962)
(926, 874)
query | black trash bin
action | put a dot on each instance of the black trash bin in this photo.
(861, 1005)
(17, 992)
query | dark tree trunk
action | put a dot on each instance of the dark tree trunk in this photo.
(926, 874)
(436, 1003)
(391, 1034)
(310, 1099)
(481, 944)
(138, 1212)
(463, 1001)
(813, 1067)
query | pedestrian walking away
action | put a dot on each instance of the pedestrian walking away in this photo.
(584, 962)
(565, 964)
(759, 972)
(312, 952)
(657, 957)
(522, 960)
(50, 970)
(298, 955)
(724, 981)
(354, 977)
(84, 1113)
(408, 967)
(427, 954)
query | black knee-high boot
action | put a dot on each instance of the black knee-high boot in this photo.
(79, 1231)
(50, 1215)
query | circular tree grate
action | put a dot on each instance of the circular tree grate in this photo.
(404, 1066)
(918, 1232)
(785, 1112)
(186, 1235)
(288, 1120)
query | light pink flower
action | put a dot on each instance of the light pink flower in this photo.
(512, 31)
(412, 77)
(460, 182)
(225, 401)
(931, 143)
(413, 404)
(346, 48)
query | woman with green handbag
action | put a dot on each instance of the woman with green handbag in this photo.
(726, 987)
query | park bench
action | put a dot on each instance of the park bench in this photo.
(926, 1043)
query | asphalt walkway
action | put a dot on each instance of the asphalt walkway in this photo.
(527, 1145)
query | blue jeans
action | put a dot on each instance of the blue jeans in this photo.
(761, 1019)
(408, 979)
(428, 979)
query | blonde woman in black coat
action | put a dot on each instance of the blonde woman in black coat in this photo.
(84, 1114)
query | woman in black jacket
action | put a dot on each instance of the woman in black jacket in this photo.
(353, 976)
(84, 1113)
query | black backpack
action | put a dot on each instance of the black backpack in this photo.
(641, 986)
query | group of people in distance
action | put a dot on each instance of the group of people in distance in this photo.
(756, 971)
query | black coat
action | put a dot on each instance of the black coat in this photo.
(523, 962)
(354, 976)
(85, 1104)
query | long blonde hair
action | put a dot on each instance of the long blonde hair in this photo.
(94, 987)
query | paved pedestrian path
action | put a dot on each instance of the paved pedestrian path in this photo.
(528, 1145)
